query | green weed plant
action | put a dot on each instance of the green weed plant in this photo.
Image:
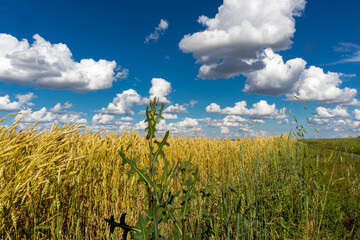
(164, 204)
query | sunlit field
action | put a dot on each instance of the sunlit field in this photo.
(63, 183)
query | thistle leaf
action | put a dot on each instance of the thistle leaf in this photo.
(141, 173)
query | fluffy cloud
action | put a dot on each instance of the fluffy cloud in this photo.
(47, 65)
(58, 107)
(259, 110)
(235, 123)
(293, 79)
(277, 78)
(315, 85)
(186, 123)
(124, 103)
(338, 111)
(169, 116)
(212, 122)
(230, 43)
(44, 116)
(263, 110)
(23, 101)
(187, 126)
(320, 121)
(232, 120)
(102, 119)
(108, 122)
(345, 127)
(330, 120)
(214, 108)
(161, 89)
(141, 125)
(175, 109)
(357, 114)
(163, 25)
(70, 118)
(282, 114)
(126, 119)
(283, 121)
(224, 130)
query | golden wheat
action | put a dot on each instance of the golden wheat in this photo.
(71, 180)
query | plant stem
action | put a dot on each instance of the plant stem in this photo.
(150, 169)
(183, 228)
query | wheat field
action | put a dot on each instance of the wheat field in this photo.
(62, 183)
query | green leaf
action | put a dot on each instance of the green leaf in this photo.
(175, 172)
(161, 144)
(132, 163)
(145, 231)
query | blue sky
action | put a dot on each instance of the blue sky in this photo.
(220, 67)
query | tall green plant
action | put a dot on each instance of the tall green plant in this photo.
(164, 204)
(300, 130)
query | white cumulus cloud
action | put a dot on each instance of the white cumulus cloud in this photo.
(338, 111)
(169, 116)
(315, 85)
(124, 103)
(108, 122)
(177, 108)
(103, 119)
(46, 65)
(58, 107)
(292, 78)
(356, 113)
(44, 116)
(23, 101)
(224, 130)
(259, 110)
(276, 78)
(161, 89)
(187, 126)
(232, 39)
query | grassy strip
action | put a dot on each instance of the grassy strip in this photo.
(349, 145)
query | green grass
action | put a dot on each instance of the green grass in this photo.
(349, 145)
(343, 206)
